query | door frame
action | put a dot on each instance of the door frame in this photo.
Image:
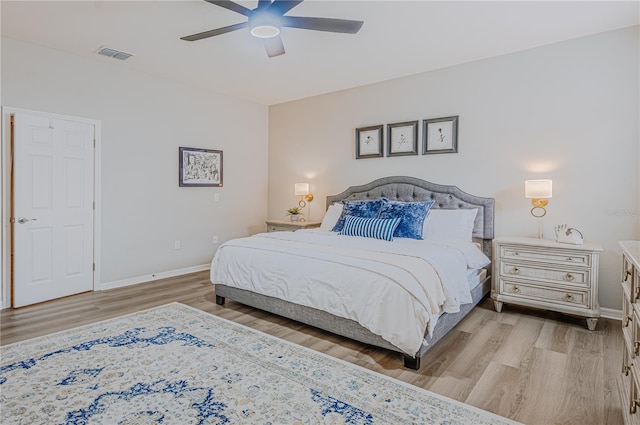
(5, 191)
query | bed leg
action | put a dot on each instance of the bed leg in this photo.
(219, 300)
(411, 362)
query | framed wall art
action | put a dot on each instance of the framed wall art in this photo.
(402, 138)
(440, 135)
(369, 142)
(200, 167)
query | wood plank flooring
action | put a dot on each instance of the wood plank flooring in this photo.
(532, 366)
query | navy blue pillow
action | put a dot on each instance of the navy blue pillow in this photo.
(411, 213)
(364, 209)
(377, 228)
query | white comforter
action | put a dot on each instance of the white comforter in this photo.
(394, 289)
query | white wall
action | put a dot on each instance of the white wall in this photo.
(144, 121)
(568, 112)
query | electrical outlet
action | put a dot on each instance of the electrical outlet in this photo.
(177, 244)
(215, 239)
(216, 197)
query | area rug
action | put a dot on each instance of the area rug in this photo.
(177, 365)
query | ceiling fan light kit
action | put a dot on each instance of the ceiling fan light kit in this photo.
(264, 25)
(267, 20)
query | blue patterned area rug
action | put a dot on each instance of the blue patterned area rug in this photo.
(178, 365)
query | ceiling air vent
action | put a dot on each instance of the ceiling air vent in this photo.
(112, 53)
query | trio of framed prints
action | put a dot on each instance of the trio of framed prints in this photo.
(439, 135)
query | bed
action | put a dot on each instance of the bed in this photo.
(253, 263)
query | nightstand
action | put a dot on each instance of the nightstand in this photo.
(546, 274)
(290, 226)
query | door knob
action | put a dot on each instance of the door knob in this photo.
(23, 220)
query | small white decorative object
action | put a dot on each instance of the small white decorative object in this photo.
(569, 235)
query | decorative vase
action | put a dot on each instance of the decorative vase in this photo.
(294, 217)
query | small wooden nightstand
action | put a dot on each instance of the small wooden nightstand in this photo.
(290, 226)
(546, 274)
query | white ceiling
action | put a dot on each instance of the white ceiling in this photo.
(398, 38)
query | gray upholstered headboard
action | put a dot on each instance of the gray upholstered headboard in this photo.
(408, 189)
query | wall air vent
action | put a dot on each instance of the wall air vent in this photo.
(112, 53)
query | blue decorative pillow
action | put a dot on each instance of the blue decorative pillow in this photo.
(411, 213)
(365, 209)
(378, 228)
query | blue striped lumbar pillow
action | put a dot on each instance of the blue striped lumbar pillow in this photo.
(378, 228)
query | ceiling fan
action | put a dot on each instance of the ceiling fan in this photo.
(268, 18)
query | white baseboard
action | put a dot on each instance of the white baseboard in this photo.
(610, 313)
(147, 278)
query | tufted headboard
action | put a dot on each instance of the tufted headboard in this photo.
(408, 189)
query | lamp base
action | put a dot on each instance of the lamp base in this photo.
(540, 229)
(308, 198)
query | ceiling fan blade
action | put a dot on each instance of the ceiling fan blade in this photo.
(280, 7)
(227, 4)
(263, 4)
(274, 46)
(322, 24)
(218, 31)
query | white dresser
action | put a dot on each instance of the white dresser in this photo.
(629, 382)
(546, 274)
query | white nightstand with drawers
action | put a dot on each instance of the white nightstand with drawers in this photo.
(546, 274)
(290, 226)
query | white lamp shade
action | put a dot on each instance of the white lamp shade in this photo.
(538, 189)
(302, 189)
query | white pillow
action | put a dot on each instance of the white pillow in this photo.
(449, 224)
(331, 216)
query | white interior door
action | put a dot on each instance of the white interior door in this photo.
(52, 208)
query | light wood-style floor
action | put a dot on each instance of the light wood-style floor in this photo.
(532, 366)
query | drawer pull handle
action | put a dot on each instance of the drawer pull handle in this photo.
(626, 275)
(515, 289)
(515, 270)
(625, 370)
(636, 348)
(568, 297)
(568, 277)
(516, 253)
(626, 321)
(634, 404)
(637, 293)
(569, 259)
